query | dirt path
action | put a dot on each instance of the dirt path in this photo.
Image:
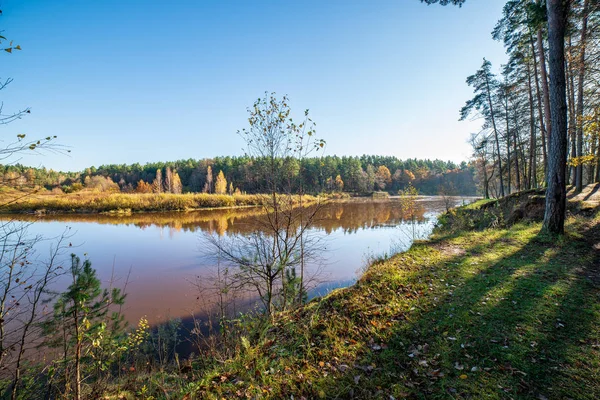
(590, 194)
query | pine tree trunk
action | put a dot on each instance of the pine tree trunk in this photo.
(571, 106)
(556, 193)
(486, 182)
(593, 149)
(580, 82)
(531, 178)
(544, 126)
(508, 158)
(597, 113)
(547, 133)
(489, 96)
(516, 155)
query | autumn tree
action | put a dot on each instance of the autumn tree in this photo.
(208, 186)
(157, 183)
(143, 187)
(383, 177)
(176, 186)
(221, 184)
(339, 184)
(168, 183)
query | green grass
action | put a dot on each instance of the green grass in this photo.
(504, 313)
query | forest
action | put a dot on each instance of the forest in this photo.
(228, 175)
(511, 152)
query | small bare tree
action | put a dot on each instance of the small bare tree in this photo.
(268, 259)
(25, 288)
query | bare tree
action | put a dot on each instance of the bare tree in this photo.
(268, 259)
(25, 288)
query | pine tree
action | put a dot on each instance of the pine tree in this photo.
(79, 313)
(485, 87)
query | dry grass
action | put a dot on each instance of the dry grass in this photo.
(97, 202)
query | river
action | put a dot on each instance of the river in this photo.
(162, 256)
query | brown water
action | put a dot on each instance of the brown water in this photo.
(163, 253)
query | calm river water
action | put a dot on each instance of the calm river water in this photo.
(164, 254)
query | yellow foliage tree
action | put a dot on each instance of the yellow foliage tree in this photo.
(143, 187)
(383, 177)
(176, 186)
(221, 184)
(339, 183)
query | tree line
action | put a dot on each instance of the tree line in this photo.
(512, 150)
(228, 175)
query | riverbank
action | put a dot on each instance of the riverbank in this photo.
(124, 203)
(488, 308)
(498, 312)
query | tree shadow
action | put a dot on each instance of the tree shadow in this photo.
(493, 314)
(592, 192)
(517, 324)
(521, 327)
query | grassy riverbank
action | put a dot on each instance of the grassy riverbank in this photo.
(494, 312)
(506, 313)
(488, 308)
(98, 202)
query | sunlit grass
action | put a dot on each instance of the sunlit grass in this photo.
(497, 313)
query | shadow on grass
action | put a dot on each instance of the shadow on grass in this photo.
(493, 314)
(522, 326)
(517, 328)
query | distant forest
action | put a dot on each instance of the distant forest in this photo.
(358, 175)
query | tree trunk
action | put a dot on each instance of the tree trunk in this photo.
(489, 96)
(556, 193)
(77, 358)
(508, 176)
(547, 133)
(571, 107)
(531, 178)
(593, 148)
(580, 82)
(596, 114)
(516, 155)
(486, 185)
(543, 125)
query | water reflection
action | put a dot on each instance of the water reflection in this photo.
(164, 258)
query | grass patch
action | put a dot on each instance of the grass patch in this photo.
(502, 313)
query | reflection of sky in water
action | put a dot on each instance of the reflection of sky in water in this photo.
(162, 260)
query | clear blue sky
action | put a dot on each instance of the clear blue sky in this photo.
(138, 81)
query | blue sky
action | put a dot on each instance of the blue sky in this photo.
(138, 81)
